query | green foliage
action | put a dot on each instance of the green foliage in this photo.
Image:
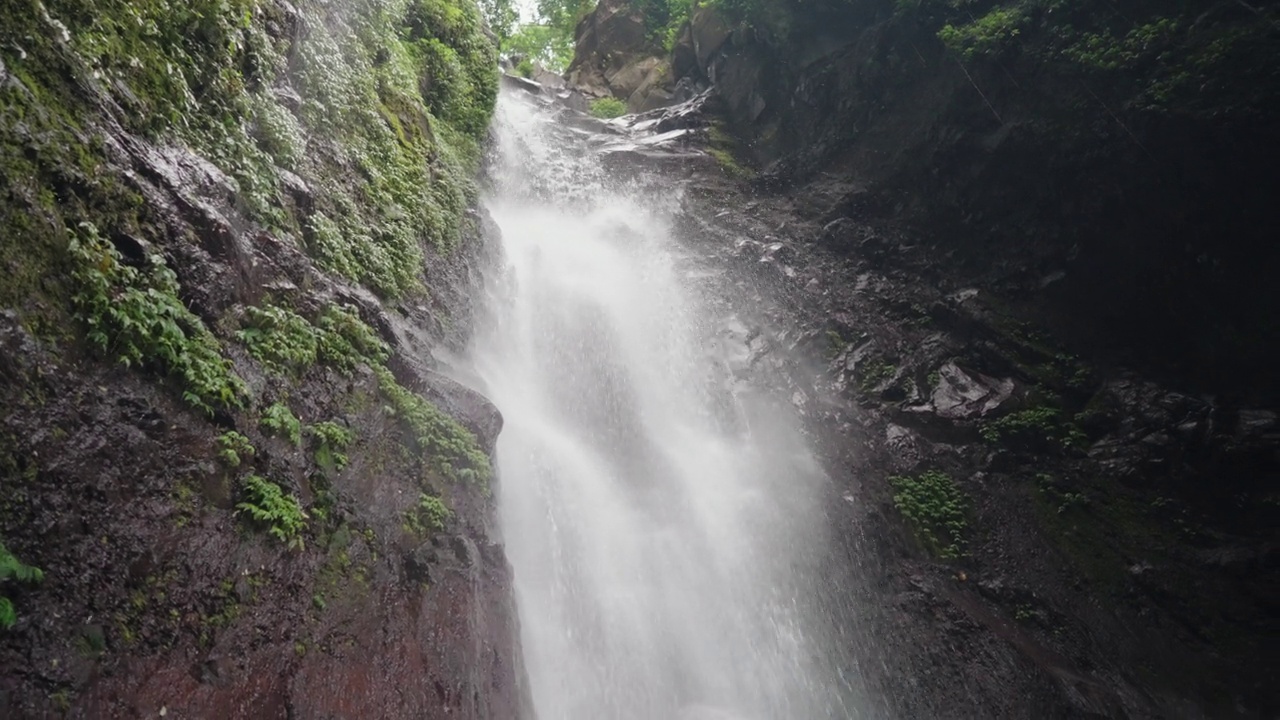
(283, 340)
(663, 18)
(278, 419)
(234, 448)
(13, 569)
(344, 340)
(287, 342)
(331, 439)
(1104, 51)
(936, 510)
(524, 68)
(136, 316)
(501, 17)
(1040, 425)
(404, 88)
(463, 94)
(397, 96)
(836, 343)
(989, 35)
(428, 516)
(266, 503)
(874, 372)
(564, 14)
(451, 450)
(543, 44)
(608, 108)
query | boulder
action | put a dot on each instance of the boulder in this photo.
(961, 394)
(629, 78)
(616, 57)
(708, 32)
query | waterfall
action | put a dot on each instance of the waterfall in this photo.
(662, 515)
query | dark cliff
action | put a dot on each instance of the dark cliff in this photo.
(1029, 246)
(1109, 162)
(235, 236)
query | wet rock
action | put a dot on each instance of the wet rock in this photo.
(418, 563)
(548, 79)
(709, 31)
(1257, 423)
(905, 446)
(961, 394)
(520, 83)
(777, 252)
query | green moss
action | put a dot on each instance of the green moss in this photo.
(935, 509)
(725, 148)
(204, 72)
(836, 344)
(405, 90)
(344, 341)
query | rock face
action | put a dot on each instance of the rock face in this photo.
(277, 505)
(1111, 523)
(1117, 550)
(614, 56)
(998, 157)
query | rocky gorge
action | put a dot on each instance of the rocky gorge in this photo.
(1019, 316)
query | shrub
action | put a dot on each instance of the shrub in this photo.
(934, 507)
(266, 503)
(136, 316)
(608, 108)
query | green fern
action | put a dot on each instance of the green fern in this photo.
(266, 503)
(278, 419)
(11, 568)
(136, 316)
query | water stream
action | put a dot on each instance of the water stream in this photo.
(659, 511)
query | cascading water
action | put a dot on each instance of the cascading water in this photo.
(660, 515)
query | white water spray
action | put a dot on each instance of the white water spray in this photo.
(661, 517)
